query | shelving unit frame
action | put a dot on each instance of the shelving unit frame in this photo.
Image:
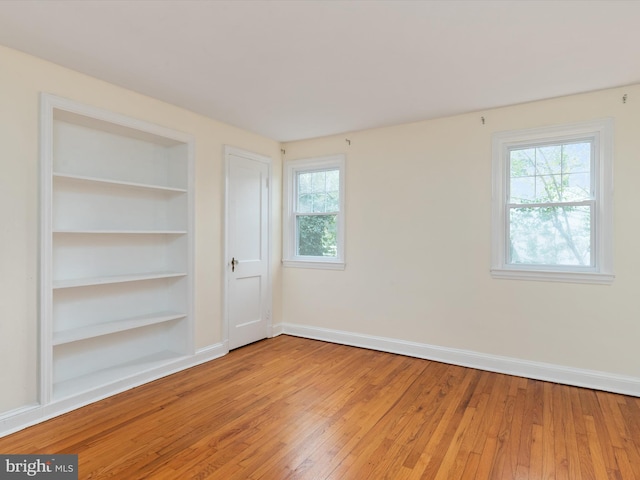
(116, 194)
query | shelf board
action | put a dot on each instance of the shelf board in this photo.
(106, 376)
(91, 331)
(122, 232)
(86, 282)
(107, 181)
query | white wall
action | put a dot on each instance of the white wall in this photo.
(22, 78)
(418, 232)
(418, 244)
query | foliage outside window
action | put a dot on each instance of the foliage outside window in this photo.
(315, 197)
(552, 204)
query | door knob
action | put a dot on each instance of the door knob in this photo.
(234, 262)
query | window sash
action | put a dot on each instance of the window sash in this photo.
(311, 214)
(298, 217)
(592, 140)
(302, 171)
(294, 170)
(591, 201)
(297, 214)
(599, 133)
(562, 266)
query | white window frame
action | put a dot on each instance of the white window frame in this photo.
(600, 132)
(291, 170)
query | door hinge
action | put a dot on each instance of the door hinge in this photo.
(267, 182)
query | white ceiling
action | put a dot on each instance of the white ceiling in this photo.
(299, 69)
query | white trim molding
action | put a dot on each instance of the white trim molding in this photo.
(26, 416)
(549, 276)
(548, 372)
(318, 265)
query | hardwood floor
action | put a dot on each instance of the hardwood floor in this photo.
(292, 408)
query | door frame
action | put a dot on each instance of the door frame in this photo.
(226, 263)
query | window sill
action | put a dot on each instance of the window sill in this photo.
(317, 265)
(554, 276)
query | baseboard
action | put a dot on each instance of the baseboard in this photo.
(277, 329)
(24, 417)
(28, 415)
(511, 366)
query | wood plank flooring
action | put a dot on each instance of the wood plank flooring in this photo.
(292, 408)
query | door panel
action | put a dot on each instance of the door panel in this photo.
(247, 246)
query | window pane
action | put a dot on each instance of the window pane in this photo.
(522, 163)
(576, 187)
(333, 202)
(305, 202)
(317, 235)
(333, 180)
(549, 174)
(549, 159)
(550, 235)
(304, 183)
(318, 192)
(576, 158)
(523, 190)
(548, 188)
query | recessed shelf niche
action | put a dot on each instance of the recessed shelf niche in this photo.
(117, 260)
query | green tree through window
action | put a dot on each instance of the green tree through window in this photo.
(318, 204)
(314, 225)
(550, 204)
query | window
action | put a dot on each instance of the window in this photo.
(314, 224)
(552, 203)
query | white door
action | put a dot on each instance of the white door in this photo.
(247, 247)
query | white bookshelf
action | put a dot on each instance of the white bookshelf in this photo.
(86, 282)
(90, 331)
(117, 260)
(143, 186)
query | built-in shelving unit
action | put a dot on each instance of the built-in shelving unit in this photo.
(117, 261)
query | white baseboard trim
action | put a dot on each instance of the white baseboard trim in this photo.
(24, 417)
(593, 379)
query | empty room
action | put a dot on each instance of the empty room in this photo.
(319, 239)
